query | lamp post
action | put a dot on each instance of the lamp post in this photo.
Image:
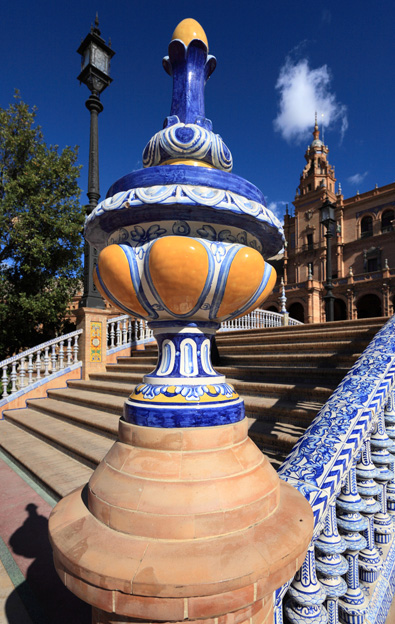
(328, 220)
(95, 74)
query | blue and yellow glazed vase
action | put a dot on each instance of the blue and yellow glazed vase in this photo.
(184, 520)
(183, 245)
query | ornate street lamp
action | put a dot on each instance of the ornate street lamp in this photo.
(328, 221)
(95, 74)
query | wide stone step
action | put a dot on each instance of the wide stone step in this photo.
(273, 410)
(339, 346)
(97, 400)
(333, 328)
(86, 446)
(57, 472)
(106, 386)
(127, 381)
(300, 375)
(324, 336)
(324, 376)
(327, 360)
(103, 423)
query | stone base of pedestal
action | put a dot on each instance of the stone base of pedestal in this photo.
(260, 613)
(181, 525)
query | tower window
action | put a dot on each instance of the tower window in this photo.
(387, 220)
(310, 243)
(366, 227)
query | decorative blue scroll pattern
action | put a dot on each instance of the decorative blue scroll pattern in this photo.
(321, 460)
(138, 235)
(180, 140)
(189, 196)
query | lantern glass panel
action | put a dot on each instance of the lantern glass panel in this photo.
(99, 59)
(85, 60)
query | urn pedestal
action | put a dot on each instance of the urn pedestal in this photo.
(185, 519)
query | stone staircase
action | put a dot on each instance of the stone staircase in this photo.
(284, 375)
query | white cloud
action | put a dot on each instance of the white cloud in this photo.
(357, 178)
(304, 91)
(278, 208)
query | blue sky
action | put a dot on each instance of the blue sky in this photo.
(277, 62)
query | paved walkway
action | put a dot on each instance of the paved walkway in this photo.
(30, 590)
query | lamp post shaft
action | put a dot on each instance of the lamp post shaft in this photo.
(91, 297)
(329, 298)
(95, 107)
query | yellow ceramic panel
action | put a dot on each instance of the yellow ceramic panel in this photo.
(189, 29)
(115, 274)
(187, 161)
(245, 275)
(266, 292)
(178, 268)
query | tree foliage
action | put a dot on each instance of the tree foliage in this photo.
(40, 231)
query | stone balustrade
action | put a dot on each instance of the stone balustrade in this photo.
(124, 331)
(23, 371)
(344, 466)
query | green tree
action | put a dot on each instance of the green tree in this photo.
(40, 231)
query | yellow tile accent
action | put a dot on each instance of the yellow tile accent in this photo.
(178, 268)
(96, 341)
(269, 287)
(244, 277)
(189, 29)
(115, 273)
(188, 161)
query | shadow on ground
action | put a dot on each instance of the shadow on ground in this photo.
(44, 596)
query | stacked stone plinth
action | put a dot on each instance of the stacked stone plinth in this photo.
(182, 524)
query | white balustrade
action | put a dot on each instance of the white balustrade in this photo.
(124, 331)
(37, 363)
(258, 319)
(344, 466)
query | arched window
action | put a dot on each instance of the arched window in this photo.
(296, 311)
(340, 310)
(272, 308)
(387, 219)
(366, 226)
(369, 306)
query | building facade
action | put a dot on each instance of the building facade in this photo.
(362, 247)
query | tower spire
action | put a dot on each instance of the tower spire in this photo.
(316, 132)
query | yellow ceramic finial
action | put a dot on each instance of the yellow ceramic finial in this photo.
(189, 29)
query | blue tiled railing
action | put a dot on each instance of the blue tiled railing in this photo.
(344, 464)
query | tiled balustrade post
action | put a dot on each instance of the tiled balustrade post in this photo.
(306, 595)
(330, 564)
(389, 418)
(380, 443)
(370, 562)
(352, 605)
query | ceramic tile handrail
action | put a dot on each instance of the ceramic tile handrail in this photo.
(21, 370)
(333, 466)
